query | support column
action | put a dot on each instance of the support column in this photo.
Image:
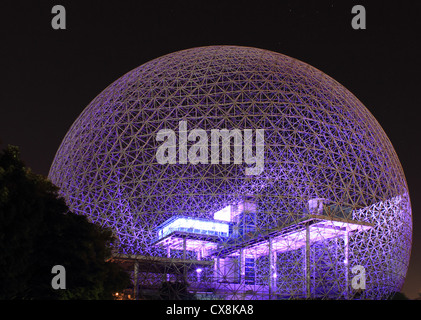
(275, 269)
(346, 262)
(216, 269)
(167, 276)
(242, 266)
(136, 280)
(270, 269)
(307, 262)
(184, 258)
(198, 257)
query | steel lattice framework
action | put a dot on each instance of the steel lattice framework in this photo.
(332, 194)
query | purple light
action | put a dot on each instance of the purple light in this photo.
(327, 163)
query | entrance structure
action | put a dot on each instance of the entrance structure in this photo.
(220, 259)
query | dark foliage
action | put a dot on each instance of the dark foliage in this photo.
(37, 231)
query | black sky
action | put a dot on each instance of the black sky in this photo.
(49, 76)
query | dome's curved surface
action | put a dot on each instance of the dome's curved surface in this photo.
(323, 167)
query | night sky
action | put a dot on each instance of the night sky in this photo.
(49, 76)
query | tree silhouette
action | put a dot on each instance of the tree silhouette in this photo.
(37, 231)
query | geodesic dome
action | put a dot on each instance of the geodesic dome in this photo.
(243, 174)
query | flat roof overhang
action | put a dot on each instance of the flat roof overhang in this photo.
(159, 264)
(292, 237)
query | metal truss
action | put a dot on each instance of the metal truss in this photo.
(332, 194)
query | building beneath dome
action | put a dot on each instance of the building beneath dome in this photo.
(239, 173)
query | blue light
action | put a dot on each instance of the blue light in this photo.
(193, 226)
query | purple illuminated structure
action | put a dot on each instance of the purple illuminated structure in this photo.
(331, 197)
